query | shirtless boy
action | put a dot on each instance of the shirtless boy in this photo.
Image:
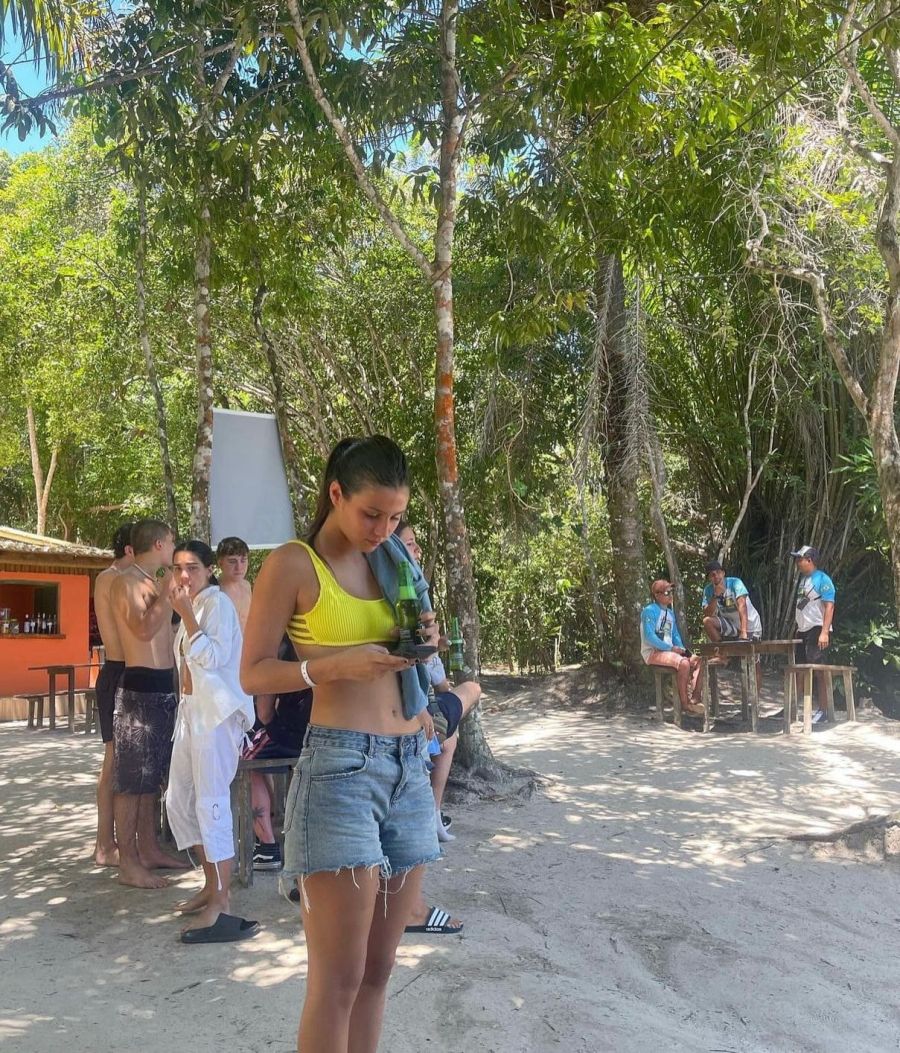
(233, 557)
(105, 851)
(145, 702)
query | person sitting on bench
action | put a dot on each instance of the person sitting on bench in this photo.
(661, 644)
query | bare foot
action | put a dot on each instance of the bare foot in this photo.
(206, 917)
(160, 860)
(137, 876)
(106, 857)
(195, 903)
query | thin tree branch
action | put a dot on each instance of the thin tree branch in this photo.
(359, 170)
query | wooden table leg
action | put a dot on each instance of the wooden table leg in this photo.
(658, 686)
(829, 696)
(714, 688)
(705, 693)
(807, 701)
(245, 830)
(51, 701)
(788, 699)
(848, 695)
(750, 674)
(71, 701)
(745, 692)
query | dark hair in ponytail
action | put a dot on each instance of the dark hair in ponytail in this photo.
(355, 463)
(202, 551)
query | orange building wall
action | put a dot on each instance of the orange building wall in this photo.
(17, 653)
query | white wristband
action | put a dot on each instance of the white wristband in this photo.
(304, 672)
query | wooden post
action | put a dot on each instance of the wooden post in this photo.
(713, 687)
(658, 685)
(51, 699)
(788, 699)
(750, 673)
(745, 691)
(829, 695)
(807, 701)
(848, 692)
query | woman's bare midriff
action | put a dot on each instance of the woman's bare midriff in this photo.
(372, 706)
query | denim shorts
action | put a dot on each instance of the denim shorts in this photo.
(359, 800)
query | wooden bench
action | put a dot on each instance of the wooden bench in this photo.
(242, 807)
(36, 702)
(660, 673)
(806, 670)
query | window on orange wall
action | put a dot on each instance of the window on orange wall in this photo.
(30, 607)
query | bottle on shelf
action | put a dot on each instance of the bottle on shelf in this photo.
(27, 625)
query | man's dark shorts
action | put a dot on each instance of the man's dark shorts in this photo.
(143, 726)
(809, 652)
(107, 683)
(446, 710)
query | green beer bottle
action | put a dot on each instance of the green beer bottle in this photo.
(407, 608)
(457, 658)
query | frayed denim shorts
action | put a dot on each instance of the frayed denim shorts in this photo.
(359, 800)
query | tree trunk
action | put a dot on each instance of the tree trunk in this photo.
(657, 471)
(473, 751)
(202, 463)
(41, 484)
(288, 449)
(162, 431)
(622, 463)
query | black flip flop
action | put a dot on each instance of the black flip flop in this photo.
(438, 921)
(226, 929)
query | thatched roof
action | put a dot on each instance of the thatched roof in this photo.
(18, 546)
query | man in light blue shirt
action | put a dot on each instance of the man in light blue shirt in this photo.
(814, 614)
(728, 613)
(661, 644)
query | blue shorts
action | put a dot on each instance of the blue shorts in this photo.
(359, 800)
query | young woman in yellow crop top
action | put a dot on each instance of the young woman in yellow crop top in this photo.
(359, 817)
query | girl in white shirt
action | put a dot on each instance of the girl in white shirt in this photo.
(213, 715)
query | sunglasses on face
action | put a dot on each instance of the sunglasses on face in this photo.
(664, 592)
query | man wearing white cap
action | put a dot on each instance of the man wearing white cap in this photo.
(815, 611)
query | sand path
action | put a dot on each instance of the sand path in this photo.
(643, 899)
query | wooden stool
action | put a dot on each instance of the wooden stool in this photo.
(91, 719)
(35, 702)
(659, 672)
(242, 808)
(808, 669)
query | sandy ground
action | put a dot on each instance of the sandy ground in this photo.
(644, 898)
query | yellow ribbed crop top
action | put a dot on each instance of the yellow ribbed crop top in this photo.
(338, 619)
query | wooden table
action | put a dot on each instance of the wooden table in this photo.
(747, 651)
(53, 671)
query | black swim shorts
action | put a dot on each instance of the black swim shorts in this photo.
(107, 682)
(143, 725)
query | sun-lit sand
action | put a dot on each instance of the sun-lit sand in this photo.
(643, 899)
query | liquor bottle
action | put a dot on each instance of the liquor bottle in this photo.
(457, 658)
(43, 625)
(27, 624)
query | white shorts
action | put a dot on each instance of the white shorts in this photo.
(198, 798)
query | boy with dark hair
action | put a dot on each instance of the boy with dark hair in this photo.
(233, 558)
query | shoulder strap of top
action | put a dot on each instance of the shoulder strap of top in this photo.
(318, 563)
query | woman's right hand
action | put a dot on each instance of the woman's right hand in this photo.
(367, 662)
